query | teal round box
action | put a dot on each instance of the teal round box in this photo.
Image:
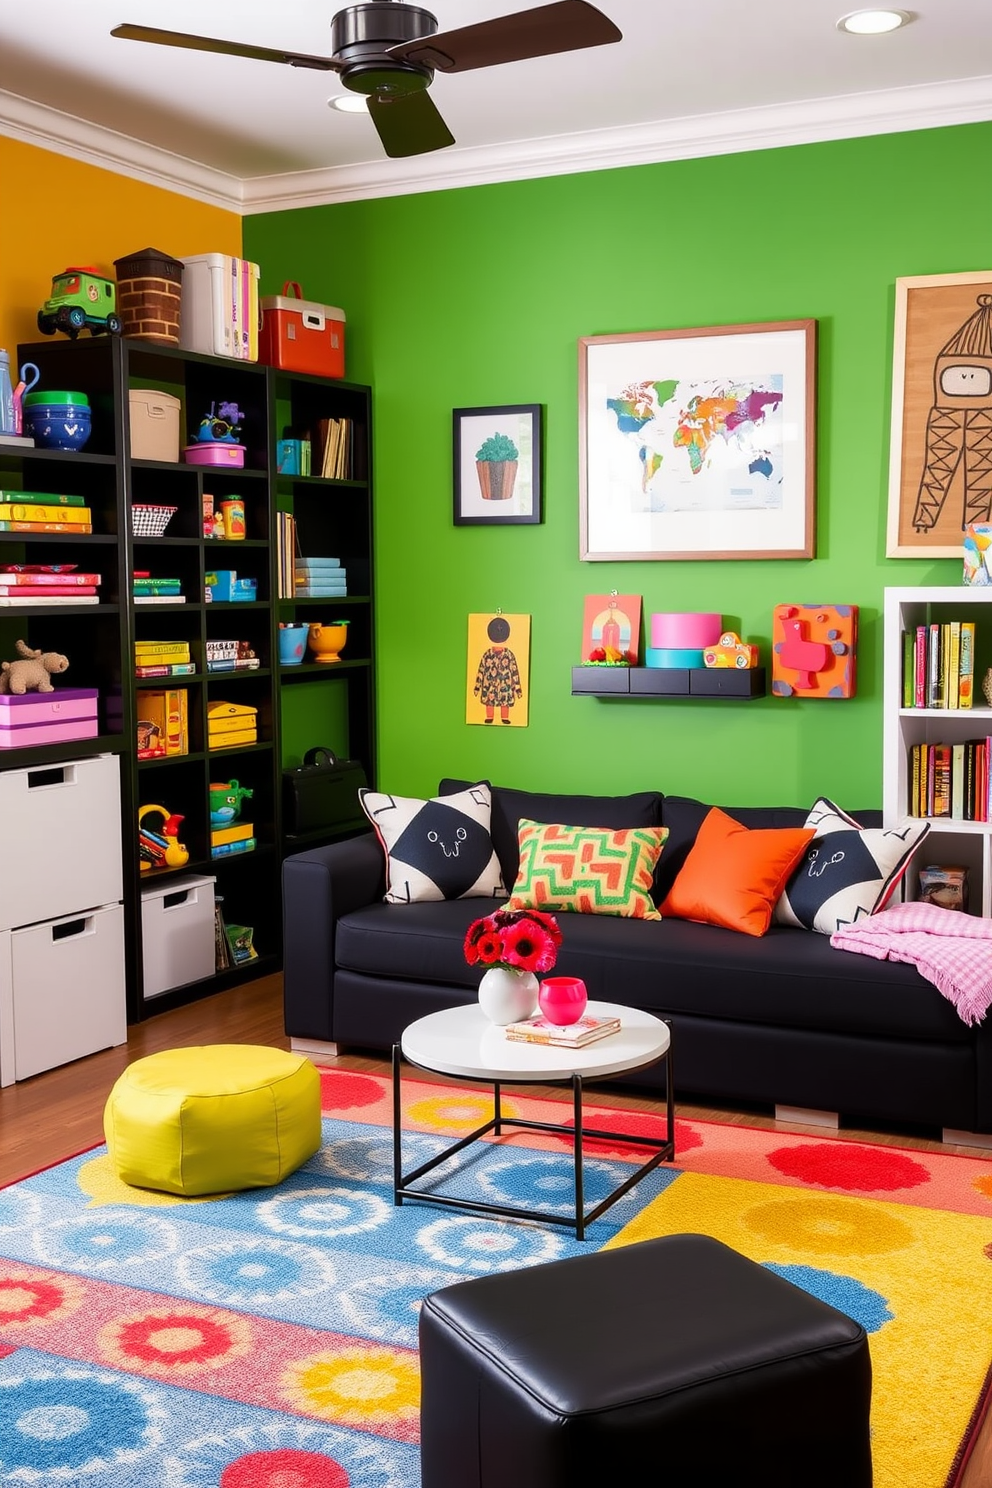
(672, 656)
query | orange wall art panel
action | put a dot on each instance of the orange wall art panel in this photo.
(813, 650)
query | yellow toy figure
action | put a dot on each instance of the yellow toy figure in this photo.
(161, 849)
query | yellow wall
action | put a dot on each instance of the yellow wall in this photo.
(57, 211)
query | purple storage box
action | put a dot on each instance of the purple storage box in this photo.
(32, 718)
(230, 456)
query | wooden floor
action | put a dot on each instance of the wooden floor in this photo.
(55, 1115)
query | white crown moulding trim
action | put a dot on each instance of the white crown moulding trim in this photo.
(894, 110)
(50, 129)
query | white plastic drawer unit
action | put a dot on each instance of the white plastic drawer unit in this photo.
(67, 977)
(60, 839)
(177, 933)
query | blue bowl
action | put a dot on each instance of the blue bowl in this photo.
(62, 426)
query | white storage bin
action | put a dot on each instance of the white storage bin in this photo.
(68, 989)
(60, 839)
(220, 306)
(177, 933)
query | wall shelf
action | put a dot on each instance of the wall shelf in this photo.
(723, 683)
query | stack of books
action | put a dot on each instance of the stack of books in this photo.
(162, 659)
(951, 780)
(938, 668)
(149, 590)
(38, 584)
(231, 656)
(237, 838)
(320, 578)
(335, 441)
(42, 511)
(563, 1036)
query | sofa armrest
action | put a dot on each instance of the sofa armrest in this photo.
(318, 887)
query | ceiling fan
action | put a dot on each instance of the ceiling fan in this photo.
(390, 51)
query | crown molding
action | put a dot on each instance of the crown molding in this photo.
(50, 129)
(891, 111)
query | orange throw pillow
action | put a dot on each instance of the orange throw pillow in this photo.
(733, 875)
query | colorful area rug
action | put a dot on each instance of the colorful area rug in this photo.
(269, 1339)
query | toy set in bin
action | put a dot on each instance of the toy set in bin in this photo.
(224, 587)
(228, 834)
(217, 441)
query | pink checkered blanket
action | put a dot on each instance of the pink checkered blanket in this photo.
(951, 949)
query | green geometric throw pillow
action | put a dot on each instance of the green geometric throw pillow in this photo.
(588, 870)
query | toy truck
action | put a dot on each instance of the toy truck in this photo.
(80, 297)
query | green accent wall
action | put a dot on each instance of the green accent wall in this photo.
(477, 296)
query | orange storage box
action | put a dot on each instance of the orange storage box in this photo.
(299, 335)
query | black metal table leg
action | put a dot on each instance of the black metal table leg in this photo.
(580, 1204)
(397, 1131)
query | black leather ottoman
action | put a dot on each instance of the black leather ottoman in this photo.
(674, 1361)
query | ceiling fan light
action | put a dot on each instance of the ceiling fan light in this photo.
(874, 22)
(349, 103)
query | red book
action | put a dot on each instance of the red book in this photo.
(920, 696)
(29, 579)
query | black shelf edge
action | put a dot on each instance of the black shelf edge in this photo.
(239, 749)
(168, 542)
(71, 749)
(78, 457)
(327, 600)
(9, 611)
(238, 604)
(309, 669)
(183, 608)
(189, 467)
(323, 480)
(168, 759)
(229, 675)
(61, 537)
(235, 542)
(721, 683)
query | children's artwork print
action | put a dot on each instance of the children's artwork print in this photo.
(611, 628)
(940, 464)
(498, 669)
(497, 465)
(698, 444)
(814, 650)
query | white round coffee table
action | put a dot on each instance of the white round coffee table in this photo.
(461, 1042)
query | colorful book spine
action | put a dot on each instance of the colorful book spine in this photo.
(908, 667)
(957, 781)
(24, 511)
(935, 672)
(229, 849)
(966, 676)
(41, 580)
(42, 592)
(80, 529)
(920, 698)
(12, 600)
(177, 650)
(43, 498)
(175, 669)
(953, 663)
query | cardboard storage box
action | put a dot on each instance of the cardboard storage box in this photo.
(299, 335)
(220, 306)
(31, 718)
(177, 932)
(154, 425)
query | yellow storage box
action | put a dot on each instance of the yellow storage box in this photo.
(213, 1119)
(229, 724)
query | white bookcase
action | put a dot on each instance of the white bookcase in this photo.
(949, 842)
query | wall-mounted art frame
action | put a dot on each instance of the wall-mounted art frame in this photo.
(497, 465)
(698, 443)
(940, 472)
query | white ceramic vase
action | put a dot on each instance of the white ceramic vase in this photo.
(507, 996)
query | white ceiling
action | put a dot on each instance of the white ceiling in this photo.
(690, 77)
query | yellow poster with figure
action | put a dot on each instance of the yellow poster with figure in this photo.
(498, 669)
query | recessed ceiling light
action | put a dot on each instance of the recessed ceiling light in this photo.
(874, 22)
(348, 103)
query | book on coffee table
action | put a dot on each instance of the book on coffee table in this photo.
(566, 1036)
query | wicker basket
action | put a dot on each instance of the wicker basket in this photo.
(151, 521)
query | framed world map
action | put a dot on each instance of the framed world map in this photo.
(698, 443)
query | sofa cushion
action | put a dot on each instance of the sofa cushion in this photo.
(510, 807)
(847, 872)
(589, 870)
(733, 875)
(785, 979)
(436, 849)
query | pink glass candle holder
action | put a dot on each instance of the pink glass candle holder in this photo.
(562, 999)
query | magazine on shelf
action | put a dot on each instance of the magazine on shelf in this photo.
(565, 1036)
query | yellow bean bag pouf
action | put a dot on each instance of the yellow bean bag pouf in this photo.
(213, 1119)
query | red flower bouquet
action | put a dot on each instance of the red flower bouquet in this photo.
(519, 939)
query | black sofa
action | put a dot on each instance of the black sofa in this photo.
(781, 1020)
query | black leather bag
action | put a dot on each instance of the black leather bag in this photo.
(322, 794)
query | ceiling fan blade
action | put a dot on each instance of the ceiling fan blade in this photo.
(564, 26)
(227, 48)
(409, 124)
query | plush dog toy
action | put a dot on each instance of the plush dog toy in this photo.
(33, 673)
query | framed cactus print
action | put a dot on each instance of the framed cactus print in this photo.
(497, 465)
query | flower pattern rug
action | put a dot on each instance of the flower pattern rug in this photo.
(269, 1339)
